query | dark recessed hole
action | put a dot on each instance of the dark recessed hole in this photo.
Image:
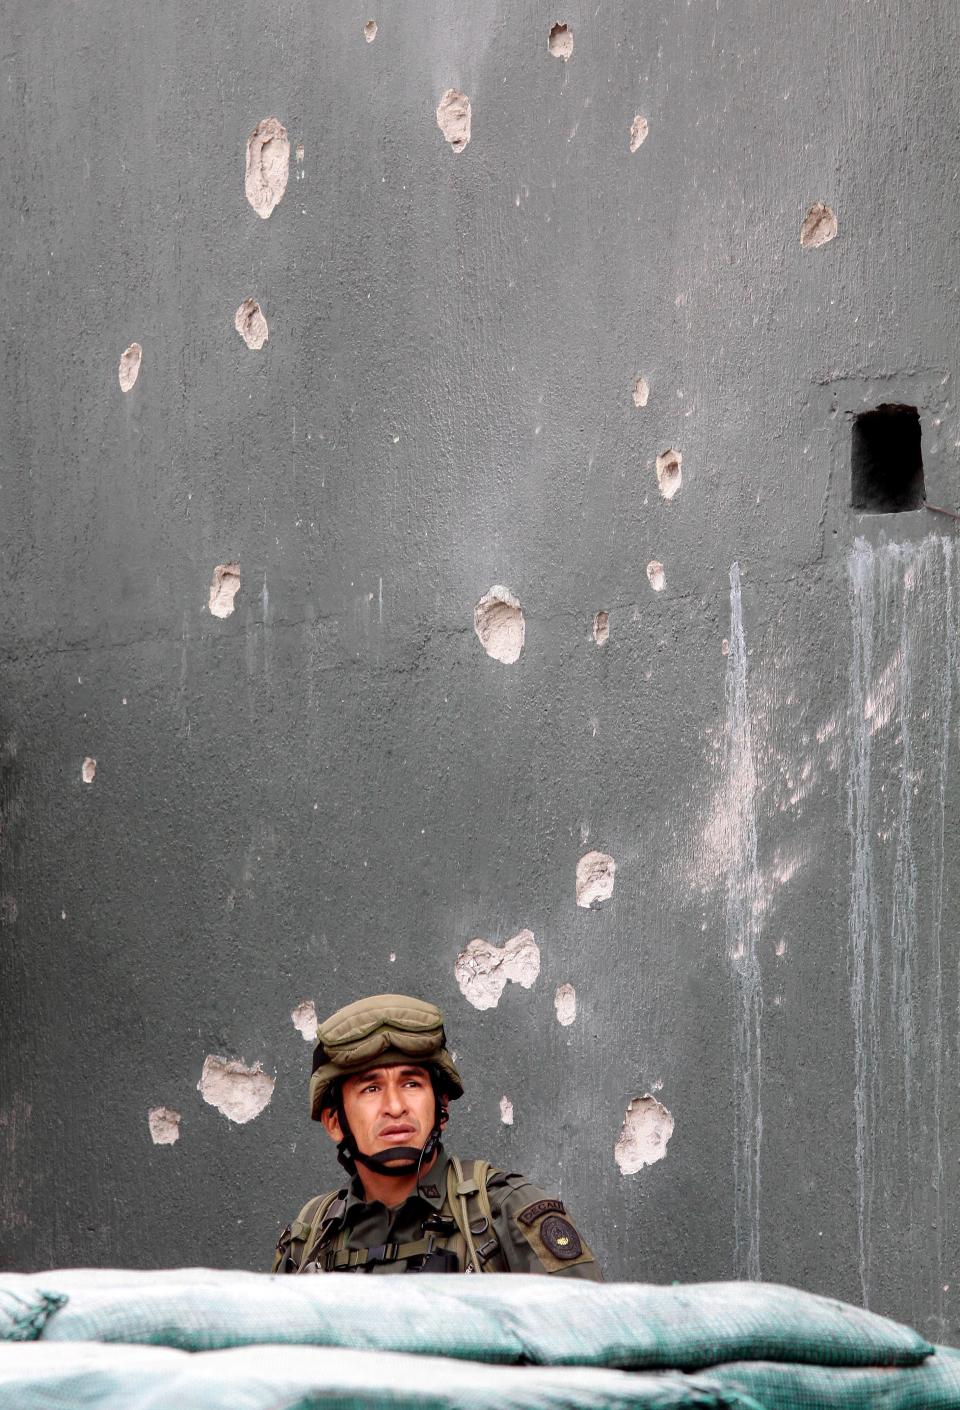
(886, 465)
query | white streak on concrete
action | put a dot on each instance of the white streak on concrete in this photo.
(904, 617)
(743, 909)
(862, 915)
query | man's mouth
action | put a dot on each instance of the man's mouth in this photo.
(398, 1135)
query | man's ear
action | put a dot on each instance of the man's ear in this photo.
(331, 1124)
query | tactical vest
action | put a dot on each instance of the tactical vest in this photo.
(462, 1234)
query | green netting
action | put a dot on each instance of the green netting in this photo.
(81, 1376)
(24, 1308)
(934, 1385)
(498, 1318)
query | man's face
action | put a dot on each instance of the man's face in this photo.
(386, 1106)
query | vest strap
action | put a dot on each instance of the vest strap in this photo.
(347, 1259)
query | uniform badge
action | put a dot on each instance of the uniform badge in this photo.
(560, 1238)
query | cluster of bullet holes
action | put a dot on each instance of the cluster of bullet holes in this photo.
(886, 461)
(886, 477)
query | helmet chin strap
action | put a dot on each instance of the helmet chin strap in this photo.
(400, 1161)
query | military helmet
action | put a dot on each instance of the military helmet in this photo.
(385, 1030)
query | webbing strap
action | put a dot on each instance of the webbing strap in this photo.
(459, 1188)
(339, 1260)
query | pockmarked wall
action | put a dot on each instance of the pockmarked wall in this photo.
(429, 566)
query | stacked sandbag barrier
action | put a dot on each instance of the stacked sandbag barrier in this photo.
(245, 1341)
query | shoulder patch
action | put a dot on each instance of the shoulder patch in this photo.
(540, 1207)
(560, 1237)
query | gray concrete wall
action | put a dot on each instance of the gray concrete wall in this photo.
(334, 789)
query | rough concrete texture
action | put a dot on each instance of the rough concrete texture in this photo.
(164, 1125)
(639, 132)
(453, 118)
(669, 473)
(251, 324)
(484, 970)
(304, 1020)
(238, 1091)
(268, 166)
(223, 589)
(499, 623)
(337, 772)
(565, 1004)
(560, 41)
(596, 872)
(819, 226)
(129, 368)
(646, 1129)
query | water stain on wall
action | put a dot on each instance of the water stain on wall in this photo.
(904, 626)
(743, 908)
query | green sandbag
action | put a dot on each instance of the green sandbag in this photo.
(24, 1308)
(934, 1385)
(85, 1376)
(499, 1318)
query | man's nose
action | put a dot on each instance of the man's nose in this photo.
(394, 1099)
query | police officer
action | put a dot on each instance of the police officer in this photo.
(382, 1083)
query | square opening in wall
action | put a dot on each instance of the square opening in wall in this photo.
(886, 465)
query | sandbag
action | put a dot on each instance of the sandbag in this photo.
(934, 1385)
(24, 1307)
(498, 1318)
(84, 1376)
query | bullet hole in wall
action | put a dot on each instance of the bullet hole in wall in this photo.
(669, 475)
(268, 166)
(601, 627)
(224, 588)
(251, 324)
(129, 369)
(304, 1019)
(560, 41)
(639, 131)
(498, 622)
(89, 770)
(565, 1004)
(484, 970)
(238, 1091)
(886, 461)
(647, 1127)
(453, 118)
(641, 392)
(164, 1125)
(370, 31)
(656, 575)
(819, 227)
(595, 876)
(506, 1111)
